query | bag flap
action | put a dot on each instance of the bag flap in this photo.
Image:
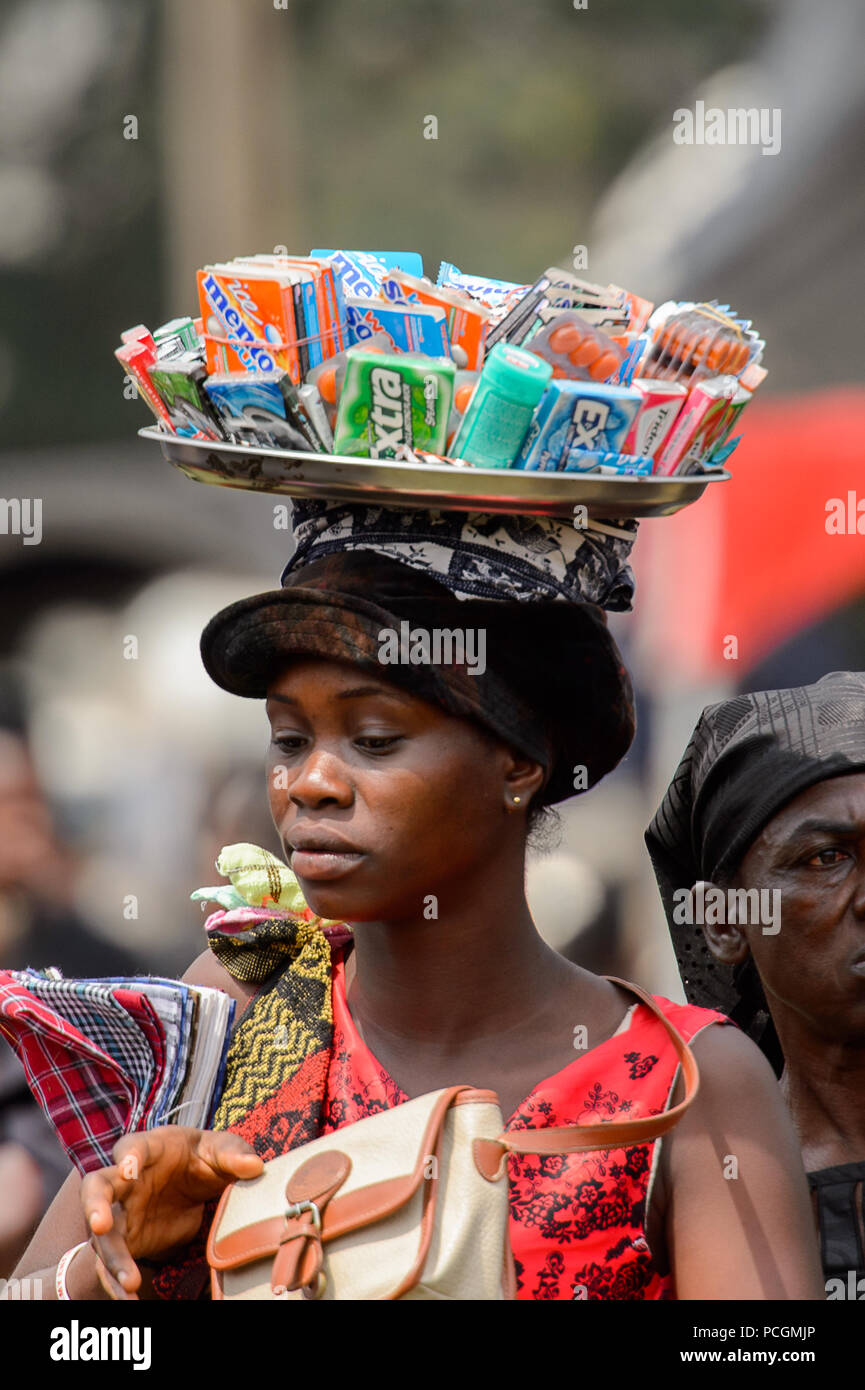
(250, 1220)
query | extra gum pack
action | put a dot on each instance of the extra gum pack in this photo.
(390, 402)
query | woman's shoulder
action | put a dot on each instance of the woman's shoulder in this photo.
(689, 1019)
(207, 971)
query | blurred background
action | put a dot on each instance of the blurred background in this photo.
(139, 142)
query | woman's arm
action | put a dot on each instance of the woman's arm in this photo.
(738, 1216)
(64, 1225)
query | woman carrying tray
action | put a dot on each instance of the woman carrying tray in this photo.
(404, 792)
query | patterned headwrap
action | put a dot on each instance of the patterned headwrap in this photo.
(477, 555)
(747, 758)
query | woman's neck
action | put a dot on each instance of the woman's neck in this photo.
(479, 968)
(823, 1085)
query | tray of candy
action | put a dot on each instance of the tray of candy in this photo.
(436, 484)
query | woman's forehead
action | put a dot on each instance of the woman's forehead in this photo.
(311, 680)
(837, 800)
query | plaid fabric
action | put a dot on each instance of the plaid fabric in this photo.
(90, 1006)
(140, 1008)
(171, 1003)
(82, 1090)
(102, 1057)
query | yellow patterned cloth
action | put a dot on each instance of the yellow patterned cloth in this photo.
(284, 1024)
(279, 1053)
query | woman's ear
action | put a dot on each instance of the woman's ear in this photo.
(713, 909)
(523, 780)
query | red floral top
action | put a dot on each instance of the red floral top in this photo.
(577, 1222)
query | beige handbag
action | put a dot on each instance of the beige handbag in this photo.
(410, 1203)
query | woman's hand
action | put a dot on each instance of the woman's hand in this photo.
(151, 1200)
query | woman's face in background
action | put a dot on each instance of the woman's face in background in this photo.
(380, 798)
(813, 852)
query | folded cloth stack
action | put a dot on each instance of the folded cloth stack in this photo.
(105, 1057)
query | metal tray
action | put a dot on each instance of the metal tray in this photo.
(444, 487)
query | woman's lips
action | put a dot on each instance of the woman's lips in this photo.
(318, 866)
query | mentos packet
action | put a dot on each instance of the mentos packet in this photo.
(178, 381)
(577, 415)
(259, 408)
(390, 402)
(360, 273)
(299, 276)
(324, 311)
(250, 320)
(595, 461)
(468, 321)
(661, 403)
(391, 260)
(410, 327)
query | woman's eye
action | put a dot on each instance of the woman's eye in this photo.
(824, 858)
(377, 743)
(287, 743)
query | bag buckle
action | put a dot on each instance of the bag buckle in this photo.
(298, 1209)
(281, 1279)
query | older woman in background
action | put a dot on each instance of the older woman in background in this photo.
(760, 841)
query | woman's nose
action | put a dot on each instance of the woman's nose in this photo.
(321, 778)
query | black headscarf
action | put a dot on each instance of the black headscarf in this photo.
(555, 687)
(747, 758)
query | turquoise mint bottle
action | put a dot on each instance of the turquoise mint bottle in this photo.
(501, 408)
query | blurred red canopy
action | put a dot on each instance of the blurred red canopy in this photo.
(760, 556)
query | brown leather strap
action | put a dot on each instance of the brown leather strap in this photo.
(615, 1134)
